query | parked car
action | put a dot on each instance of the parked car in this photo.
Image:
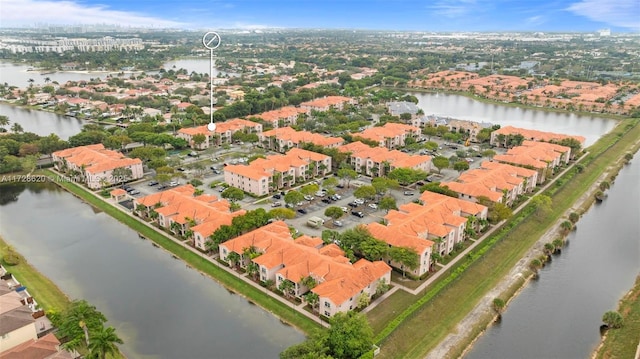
(276, 196)
(340, 186)
(321, 194)
(134, 192)
(326, 200)
(344, 209)
(161, 187)
(338, 223)
(337, 196)
(153, 183)
(359, 201)
(358, 214)
(302, 211)
(353, 204)
(408, 193)
(420, 183)
(127, 187)
(373, 206)
(276, 204)
(308, 197)
(217, 172)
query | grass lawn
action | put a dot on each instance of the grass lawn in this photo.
(226, 279)
(623, 342)
(46, 293)
(430, 323)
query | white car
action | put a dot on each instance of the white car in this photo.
(308, 197)
(337, 196)
(173, 183)
(373, 206)
(359, 201)
(344, 209)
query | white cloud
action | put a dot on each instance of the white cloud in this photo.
(453, 8)
(535, 20)
(621, 13)
(29, 12)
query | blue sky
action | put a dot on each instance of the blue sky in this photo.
(425, 15)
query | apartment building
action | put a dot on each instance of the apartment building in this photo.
(391, 135)
(281, 139)
(222, 134)
(379, 161)
(499, 184)
(339, 283)
(264, 175)
(326, 103)
(96, 166)
(183, 213)
(543, 157)
(499, 136)
(285, 116)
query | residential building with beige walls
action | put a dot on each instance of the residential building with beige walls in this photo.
(281, 139)
(378, 161)
(326, 103)
(184, 213)
(391, 135)
(222, 134)
(264, 175)
(94, 165)
(339, 283)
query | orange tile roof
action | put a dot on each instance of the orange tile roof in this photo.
(391, 236)
(454, 205)
(389, 130)
(396, 159)
(337, 278)
(512, 170)
(281, 113)
(180, 205)
(232, 125)
(297, 137)
(326, 101)
(535, 135)
(96, 158)
(118, 192)
(262, 167)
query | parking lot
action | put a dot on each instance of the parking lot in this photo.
(314, 207)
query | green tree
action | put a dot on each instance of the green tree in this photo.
(330, 182)
(406, 176)
(461, 166)
(198, 140)
(233, 259)
(16, 128)
(121, 175)
(104, 342)
(365, 192)
(309, 189)
(498, 305)
(233, 194)
(535, 265)
(350, 335)
(407, 257)
(333, 212)
(71, 323)
(383, 184)
(347, 174)
(282, 213)
(4, 121)
(440, 162)
(293, 197)
(499, 212)
(613, 320)
(387, 203)
(542, 204)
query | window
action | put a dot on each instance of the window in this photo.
(327, 304)
(327, 314)
(263, 270)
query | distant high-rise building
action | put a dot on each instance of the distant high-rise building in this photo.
(604, 32)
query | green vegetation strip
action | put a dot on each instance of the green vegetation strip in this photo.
(623, 342)
(45, 292)
(450, 299)
(223, 277)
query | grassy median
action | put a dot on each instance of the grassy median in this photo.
(46, 293)
(428, 324)
(223, 277)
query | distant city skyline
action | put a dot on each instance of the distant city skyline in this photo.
(400, 15)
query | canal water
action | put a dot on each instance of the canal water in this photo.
(159, 306)
(464, 108)
(559, 315)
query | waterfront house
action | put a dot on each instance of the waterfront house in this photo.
(95, 165)
(378, 161)
(391, 135)
(222, 134)
(338, 283)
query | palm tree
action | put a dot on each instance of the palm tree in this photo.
(4, 121)
(286, 286)
(498, 305)
(233, 258)
(558, 243)
(252, 270)
(104, 342)
(566, 227)
(535, 265)
(313, 299)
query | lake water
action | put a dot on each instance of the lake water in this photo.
(41, 122)
(464, 108)
(559, 315)
(160, 308)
